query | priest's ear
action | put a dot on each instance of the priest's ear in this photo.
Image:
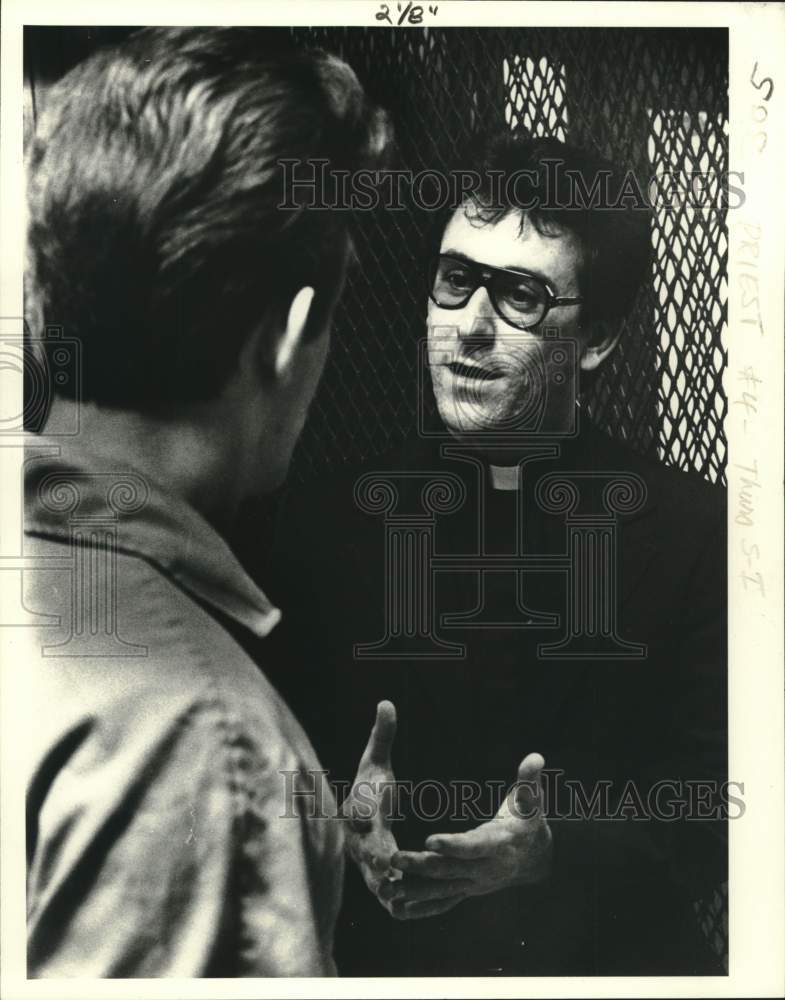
(601, 343)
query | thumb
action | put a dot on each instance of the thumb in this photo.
(527, 800)
(379, 748)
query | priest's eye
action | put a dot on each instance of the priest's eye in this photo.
(459, 280)
(522, 297)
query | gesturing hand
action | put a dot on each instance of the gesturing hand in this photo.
(514, 848)
(369, 808)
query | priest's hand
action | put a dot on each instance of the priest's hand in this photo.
(370, 806)
(514, 848)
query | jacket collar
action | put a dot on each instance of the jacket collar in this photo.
(68, 487)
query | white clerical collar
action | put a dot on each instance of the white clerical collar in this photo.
(506, 477)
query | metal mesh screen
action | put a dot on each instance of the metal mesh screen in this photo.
(655, 102)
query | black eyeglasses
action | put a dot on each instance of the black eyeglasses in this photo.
(521, 299)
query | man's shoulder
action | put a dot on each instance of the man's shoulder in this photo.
(158, 662)
(682, 495)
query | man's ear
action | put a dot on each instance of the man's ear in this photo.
(602, 341)
(294, 331)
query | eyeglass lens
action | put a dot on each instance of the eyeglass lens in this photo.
(520, 298)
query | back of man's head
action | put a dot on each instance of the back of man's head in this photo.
(154, 233)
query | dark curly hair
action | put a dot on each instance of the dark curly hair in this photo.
(562, 187)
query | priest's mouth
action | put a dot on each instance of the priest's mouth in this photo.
(473, 371)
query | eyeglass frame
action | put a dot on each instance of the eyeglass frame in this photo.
(486, 272)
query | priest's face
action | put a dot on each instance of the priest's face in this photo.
(503, 350)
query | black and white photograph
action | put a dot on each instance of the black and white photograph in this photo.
(392, 496)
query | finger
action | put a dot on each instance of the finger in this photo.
(379, 747)
(377, 873)
(359, 825)
(428, 864)
(390, 889)
(475, 844)
(427, 908)
(527, 800)
(418, 890)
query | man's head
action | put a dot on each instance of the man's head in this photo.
(154, 232)
(529, 285)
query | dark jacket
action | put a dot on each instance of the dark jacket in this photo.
(620, 900)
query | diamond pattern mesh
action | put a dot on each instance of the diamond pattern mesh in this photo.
(655, 101)
(712, 916)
